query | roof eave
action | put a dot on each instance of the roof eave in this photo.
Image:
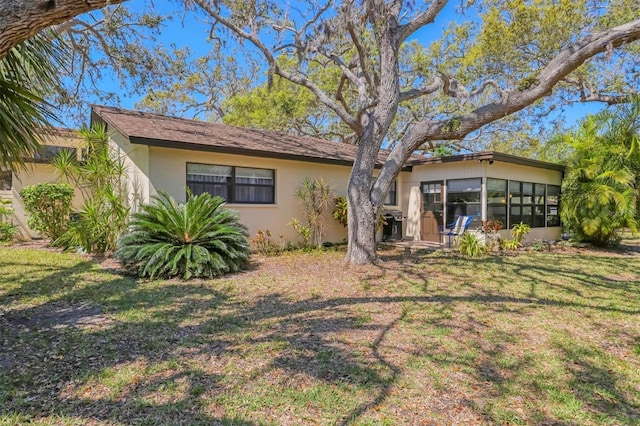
(241, 151)
(490, 156)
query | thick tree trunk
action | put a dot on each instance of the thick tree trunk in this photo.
(22, 19)
(362, 211)
(361, 217)
(365, 200)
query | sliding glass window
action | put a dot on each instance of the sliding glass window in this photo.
(538, 205)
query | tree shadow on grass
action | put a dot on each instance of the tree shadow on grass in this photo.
(165, 347)
(81, 330)
(540, 270)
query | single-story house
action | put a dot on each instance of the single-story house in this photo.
(258, 173)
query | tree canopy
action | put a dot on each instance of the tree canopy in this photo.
(22, 19)
(513, 55)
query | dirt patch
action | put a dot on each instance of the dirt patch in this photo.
(622, 278)
(39, 244)
(6, 362)
(58, 315)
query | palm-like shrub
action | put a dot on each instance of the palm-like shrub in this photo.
(27, 74)
(200, 238)
(101, 177)
(600, 190)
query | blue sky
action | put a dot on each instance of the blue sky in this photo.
(184, 29)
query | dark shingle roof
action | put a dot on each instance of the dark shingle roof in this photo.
(171, 132)
(158, 130)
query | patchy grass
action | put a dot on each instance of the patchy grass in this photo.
(537, 338)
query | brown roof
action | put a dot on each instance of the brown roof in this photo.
(158, 130)
(172, 132)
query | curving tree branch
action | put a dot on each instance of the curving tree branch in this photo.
(512, 101)
(22, 19)
(253, 37)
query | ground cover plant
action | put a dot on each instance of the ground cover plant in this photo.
(425, 338)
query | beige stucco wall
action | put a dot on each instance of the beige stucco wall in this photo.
(152, 169)
(34, 173)
(412, 197)
(168, 173)
(136, 160)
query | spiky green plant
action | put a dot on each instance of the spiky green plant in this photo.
(470, 245)
(315, 195)
(101, 177)
(198, 239)
(519, 231)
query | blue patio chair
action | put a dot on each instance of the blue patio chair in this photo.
(458, 227)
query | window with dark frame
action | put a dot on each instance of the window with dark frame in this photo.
(515, 202)
(535, 204)
(464, 199)
(538, 205)
(241, 185)
(49, 152)
(497, 200)
(527, 203)
(553, 205)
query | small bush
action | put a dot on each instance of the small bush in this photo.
(340, 210)
(538, 245)
(519, 231)
(7, 232)
(7, 228)
(266, 246)
(303, 231)
(490, 230)
(200, 238)
(470, 246)
(510, 245)
(48, 206)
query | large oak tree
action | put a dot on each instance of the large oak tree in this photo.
(476, 74)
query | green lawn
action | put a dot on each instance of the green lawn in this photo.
(537, 338)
